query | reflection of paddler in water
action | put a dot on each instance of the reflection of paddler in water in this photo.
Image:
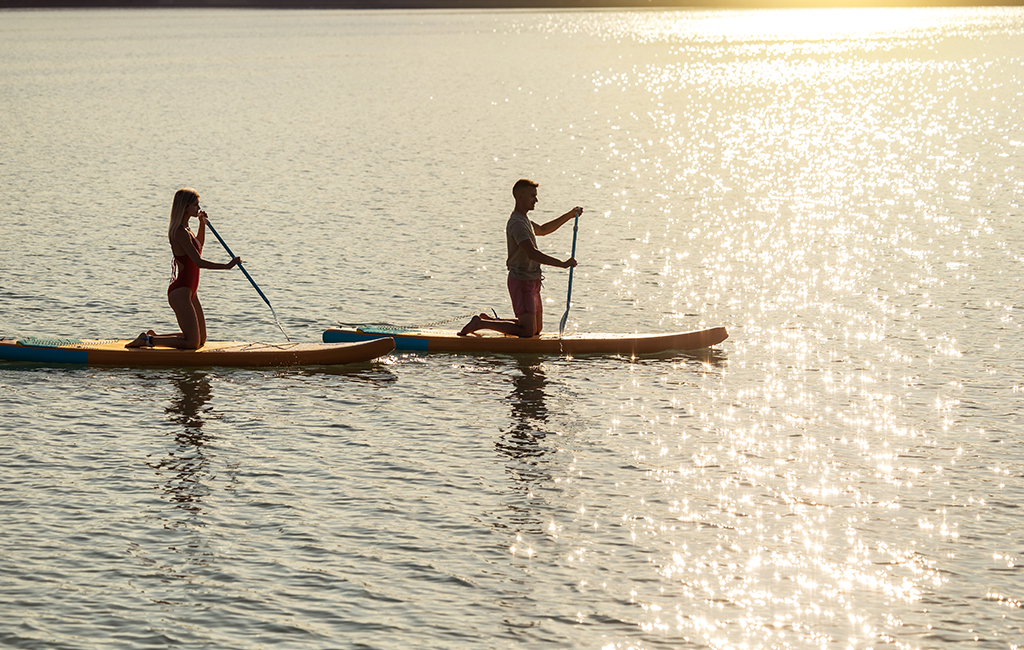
(182, 295)
(524, 262)
(187, 462)
(529, 414)
(187, 409)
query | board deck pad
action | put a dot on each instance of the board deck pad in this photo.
(390, 331)
(48, 343)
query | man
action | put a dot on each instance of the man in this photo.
(524, 261)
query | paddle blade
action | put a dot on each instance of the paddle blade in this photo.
(568, 304)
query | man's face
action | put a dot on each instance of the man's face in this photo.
(527, 198)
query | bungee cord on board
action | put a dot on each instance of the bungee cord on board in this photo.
(421, 326)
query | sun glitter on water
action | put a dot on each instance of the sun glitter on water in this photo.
(795, 25)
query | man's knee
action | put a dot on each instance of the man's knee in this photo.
(531, 323)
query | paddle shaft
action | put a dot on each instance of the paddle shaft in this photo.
(247, 277)
(568, 297)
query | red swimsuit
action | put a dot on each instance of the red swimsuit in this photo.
(184, 272)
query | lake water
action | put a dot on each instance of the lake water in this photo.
(840, 189)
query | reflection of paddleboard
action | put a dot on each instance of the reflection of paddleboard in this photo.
(430, 340)
(235, 354)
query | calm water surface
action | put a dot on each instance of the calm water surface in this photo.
(841, 189)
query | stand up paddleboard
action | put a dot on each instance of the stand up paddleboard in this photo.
(436, 340)
(230, 354)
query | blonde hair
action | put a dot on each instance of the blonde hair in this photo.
(182, 199)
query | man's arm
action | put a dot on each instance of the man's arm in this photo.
(534, 254)
(556, 223)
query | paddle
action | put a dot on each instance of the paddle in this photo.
(248, 277)
(568, 297)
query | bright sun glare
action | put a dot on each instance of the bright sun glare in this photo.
(799, 24)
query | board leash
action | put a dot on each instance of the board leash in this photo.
(248, 277)
(421, 326)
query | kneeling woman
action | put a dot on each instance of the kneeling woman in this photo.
(181, 294)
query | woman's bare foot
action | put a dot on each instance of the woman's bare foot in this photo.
(140, 341)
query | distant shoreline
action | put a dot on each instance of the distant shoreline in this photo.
(490, 4)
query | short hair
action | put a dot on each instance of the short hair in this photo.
(521, 185)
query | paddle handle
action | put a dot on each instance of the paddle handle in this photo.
(216, 234)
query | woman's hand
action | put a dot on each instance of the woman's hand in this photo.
(233, 263)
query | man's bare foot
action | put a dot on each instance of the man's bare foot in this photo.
(484, 316)
(473, 325)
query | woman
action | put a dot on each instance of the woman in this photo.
(181, 294)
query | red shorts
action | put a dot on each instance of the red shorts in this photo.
(525, 296)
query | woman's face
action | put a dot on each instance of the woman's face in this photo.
(192, 209)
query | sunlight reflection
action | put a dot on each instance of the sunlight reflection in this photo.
(752, 28)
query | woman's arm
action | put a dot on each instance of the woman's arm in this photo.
(185, 243)
(201, 235)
